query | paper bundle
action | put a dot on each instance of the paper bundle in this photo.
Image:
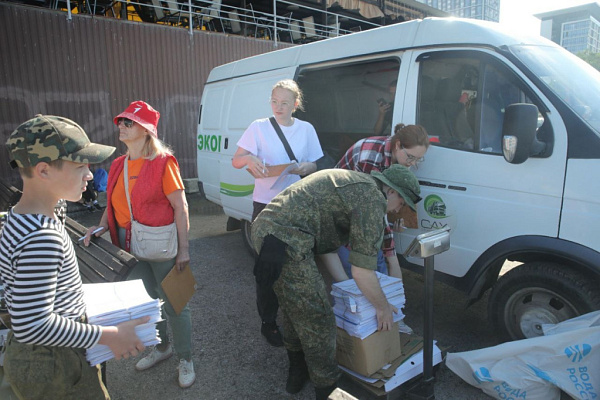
(110, 304)
(355, 314)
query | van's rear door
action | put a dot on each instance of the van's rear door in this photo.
(210, 139)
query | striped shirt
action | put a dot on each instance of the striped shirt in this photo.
(366, 155)
(43, 289)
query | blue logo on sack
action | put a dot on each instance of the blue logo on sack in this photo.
(542, 374)
(577, 352)
(483, 375)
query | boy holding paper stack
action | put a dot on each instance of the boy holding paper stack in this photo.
(45, 351)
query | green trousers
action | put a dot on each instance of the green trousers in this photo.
(51, 373)
(308, 320)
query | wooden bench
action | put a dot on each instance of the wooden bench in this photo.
(100, 262)
(9, 195)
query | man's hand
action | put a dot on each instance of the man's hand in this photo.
(367, 282)
(385, 317)
(398, 225)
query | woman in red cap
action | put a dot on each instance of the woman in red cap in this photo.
(157, 198)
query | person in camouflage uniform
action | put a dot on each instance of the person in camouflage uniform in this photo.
(45, 351)
(315, 216)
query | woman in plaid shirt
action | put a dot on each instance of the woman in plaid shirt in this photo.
(406, 147)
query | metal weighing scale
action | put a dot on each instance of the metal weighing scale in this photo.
(426, 246)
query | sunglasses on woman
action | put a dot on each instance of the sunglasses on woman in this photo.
(126, 121)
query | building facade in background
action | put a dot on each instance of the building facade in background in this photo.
(488, 10)
(576, 29)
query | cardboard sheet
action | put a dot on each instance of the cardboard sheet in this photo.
(179, 287)
(403, 369)
(409, 216)
(274, 170)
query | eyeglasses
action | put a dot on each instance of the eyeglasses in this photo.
(412, 159)
(126, 121)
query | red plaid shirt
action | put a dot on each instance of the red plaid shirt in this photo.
(366, 155)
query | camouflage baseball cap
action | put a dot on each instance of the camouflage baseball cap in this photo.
(399, 178)
(46, 138)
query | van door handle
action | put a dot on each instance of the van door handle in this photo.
(431, 184)
(442, 186)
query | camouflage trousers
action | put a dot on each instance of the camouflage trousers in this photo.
(51, 373)
(308, 320)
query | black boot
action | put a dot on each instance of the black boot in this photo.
(322, 393)
(271, 332)
(298, 372)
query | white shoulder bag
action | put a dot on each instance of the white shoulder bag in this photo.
(150, 243)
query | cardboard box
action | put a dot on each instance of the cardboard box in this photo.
(367, 356)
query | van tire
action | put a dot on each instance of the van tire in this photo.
(246, 237)
(539, 293)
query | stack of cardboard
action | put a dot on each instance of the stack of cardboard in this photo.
(402, 369)
(355, 314)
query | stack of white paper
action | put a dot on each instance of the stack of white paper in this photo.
(355, 314)
(110, 304)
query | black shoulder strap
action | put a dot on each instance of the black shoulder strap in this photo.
(288, 149)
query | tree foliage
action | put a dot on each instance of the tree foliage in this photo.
(591, 58)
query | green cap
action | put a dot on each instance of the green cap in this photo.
(46, 138)
(399, 178)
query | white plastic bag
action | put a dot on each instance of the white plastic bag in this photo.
(537, 368)
(583, 321)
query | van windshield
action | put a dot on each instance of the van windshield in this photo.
(573, 80)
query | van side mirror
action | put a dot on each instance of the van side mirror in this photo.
(519, 133)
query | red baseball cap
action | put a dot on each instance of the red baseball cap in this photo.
(142, 113)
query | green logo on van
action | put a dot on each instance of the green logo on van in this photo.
(434, 206)
(236, 190)
(209, 143)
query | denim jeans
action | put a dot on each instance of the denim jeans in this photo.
(344, 253)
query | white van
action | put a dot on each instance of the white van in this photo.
(515, 173)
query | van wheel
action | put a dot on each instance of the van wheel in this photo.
(246, 230)
(539, 293)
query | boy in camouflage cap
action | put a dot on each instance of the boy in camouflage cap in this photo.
(315, 216)
(45, 351)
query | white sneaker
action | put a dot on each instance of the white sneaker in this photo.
(187, 376)
(403, 328)
(154, 358)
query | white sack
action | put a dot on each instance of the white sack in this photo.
(535, 368)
